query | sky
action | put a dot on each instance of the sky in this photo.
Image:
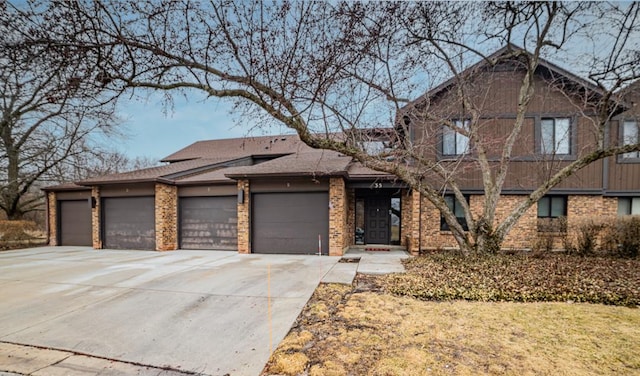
(154, 130)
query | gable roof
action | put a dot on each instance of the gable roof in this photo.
(507, 53)
(233, 148)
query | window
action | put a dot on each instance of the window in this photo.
(628, 206)
(457, 210)
(555, 136)
(629, 137)
(551, 211)
(454, 143)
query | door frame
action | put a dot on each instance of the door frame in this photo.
(389, 193)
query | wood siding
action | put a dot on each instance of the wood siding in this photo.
(495, 95)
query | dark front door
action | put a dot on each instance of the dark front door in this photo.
(377, 220)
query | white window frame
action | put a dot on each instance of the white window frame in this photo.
(630, 134)
(458, 143)
(561, 139)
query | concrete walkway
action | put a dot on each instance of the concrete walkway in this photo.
(370, 262)
(28, 360)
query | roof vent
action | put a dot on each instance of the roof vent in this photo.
(284, 139)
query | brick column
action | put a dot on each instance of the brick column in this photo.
(166, 214)
(244, 229)
(337, 216)
(350, 228)
(52, 207)
(96, 219)
(414, 243)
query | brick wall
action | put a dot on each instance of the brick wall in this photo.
(525, 233)
(244, 229)
(431, 238)
(96, 219)
(350, 226)
(52, 207)
(166, 217)
(338, 222)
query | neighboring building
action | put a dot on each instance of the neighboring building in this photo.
(274, 194)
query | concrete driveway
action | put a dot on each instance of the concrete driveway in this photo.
(209, 312)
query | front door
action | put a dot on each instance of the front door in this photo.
(377, 220)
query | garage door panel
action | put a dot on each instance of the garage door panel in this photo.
(209, 223)
(290, 222)
(129, 223)
(75, 223)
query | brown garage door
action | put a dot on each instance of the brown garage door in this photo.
(290, 222)
(209, 223)
(129, 222)
(75, 222)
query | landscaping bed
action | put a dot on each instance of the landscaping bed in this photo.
(524, 319)
(519, 277)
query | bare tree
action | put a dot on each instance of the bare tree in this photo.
(97, 162)
(324, 69)
(49, 101)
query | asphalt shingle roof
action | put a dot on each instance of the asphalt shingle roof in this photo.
(154, 173)
(311, 162)
(238, 147)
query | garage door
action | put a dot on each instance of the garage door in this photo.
(75, 222)
(290, 222)
(129, 223)
(209, 223)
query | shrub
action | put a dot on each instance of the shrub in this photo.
(623, 239)
(588, 234)
(16, 230)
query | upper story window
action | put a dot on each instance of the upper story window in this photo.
(630, 137)
(456, 207)
(629, 206)
(454, 143)
(551, 209)
(555, 136)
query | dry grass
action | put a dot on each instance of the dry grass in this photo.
(20, 234)
(342, 332)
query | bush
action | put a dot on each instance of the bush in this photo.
(588, 234)
(16, 230)
(618, 237)
(622, 238)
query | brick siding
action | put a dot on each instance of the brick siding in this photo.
(166, 217)
(52, 207)
(244, 229)
(525, 233)
(338, 223)
(96, 219)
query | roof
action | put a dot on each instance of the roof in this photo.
(66, 187)
(311, 162)
(357, 171)
(233, 148)
(504, 54)
(168, 171)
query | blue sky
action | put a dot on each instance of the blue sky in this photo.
(153, 129)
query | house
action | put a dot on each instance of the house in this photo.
(269, 194)
(274, 194)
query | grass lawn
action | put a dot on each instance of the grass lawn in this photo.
(367, 330)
